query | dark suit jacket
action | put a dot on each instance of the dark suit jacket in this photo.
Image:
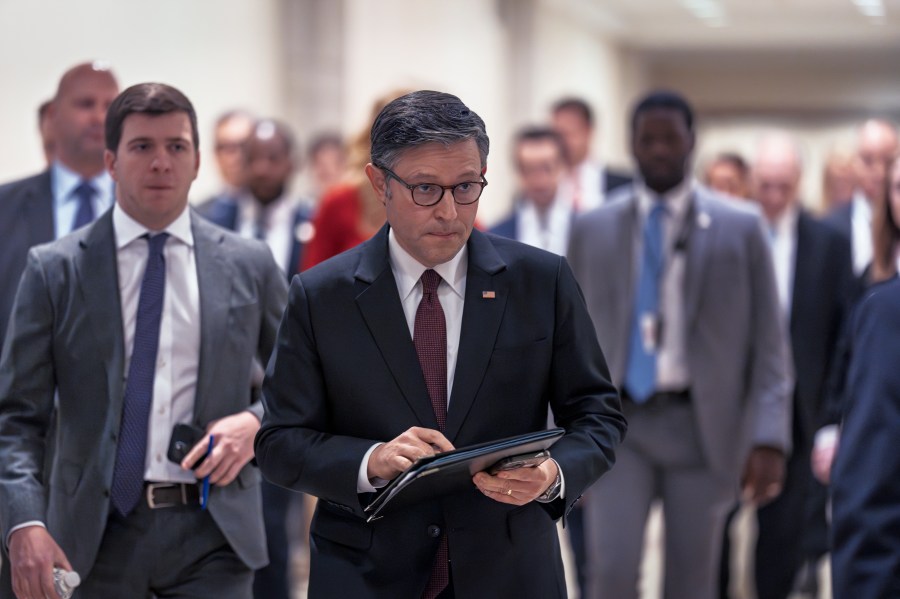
(822, 281)
(65, 335)
(26, 219)
(866, 476)
(223, 211)
(345, 375)
(612, 180)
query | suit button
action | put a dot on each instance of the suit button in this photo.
(434, 531)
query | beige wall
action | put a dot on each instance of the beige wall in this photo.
(221, 54)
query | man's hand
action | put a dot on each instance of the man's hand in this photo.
(391, 458)
(232, 448)
(763, 475)
(32, 555)
(519, 486)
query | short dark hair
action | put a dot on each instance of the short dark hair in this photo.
(423, 117)
(539, 133)
(327, 139)
(734, 159)
(664, 99)
(576, 105)
(147, 98)
(272, 127)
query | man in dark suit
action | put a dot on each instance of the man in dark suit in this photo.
(75, 188)
(866, 479)
(812, 270)
(589, 183)
(428, 336)
(149, 318)
(680, 288)
(266, 211)
(541, 216)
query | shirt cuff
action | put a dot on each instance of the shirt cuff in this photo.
(827, 436)
(363, 484)
(23, 525)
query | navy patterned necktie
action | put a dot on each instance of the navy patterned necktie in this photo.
(128, 476)
(85, 193)
(430, 339)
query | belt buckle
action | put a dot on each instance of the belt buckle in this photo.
(151, 500)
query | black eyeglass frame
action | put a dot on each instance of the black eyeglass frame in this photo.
(412, 188)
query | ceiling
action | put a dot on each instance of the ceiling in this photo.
(673, 25)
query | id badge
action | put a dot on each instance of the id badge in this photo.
(650, 332)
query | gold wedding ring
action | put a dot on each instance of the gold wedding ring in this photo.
(509, 492)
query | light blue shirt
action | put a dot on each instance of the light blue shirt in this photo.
(65, 204)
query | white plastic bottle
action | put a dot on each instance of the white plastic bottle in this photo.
(65, 582)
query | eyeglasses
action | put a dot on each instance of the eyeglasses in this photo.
(429, 194)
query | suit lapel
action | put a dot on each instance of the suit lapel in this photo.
(379, 303)
(214, 278)
(98, 279)
(626, 231)
(804, 261)
(699, 246)
(480, 325)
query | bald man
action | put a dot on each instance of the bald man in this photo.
(876, 145)
(812, 269)
(74, 189)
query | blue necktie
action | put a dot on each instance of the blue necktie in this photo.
(640, 377)
(85, 193)
(128, 476)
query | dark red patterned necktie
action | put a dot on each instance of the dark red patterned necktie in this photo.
(430, 339)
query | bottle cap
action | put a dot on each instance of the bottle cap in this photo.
(71, 578)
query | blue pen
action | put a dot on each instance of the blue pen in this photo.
(204, 496)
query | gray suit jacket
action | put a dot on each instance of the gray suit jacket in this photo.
(65, 335)
(739, 364)
(26, 219)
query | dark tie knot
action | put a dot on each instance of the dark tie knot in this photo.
(430, 282)
(157, 243)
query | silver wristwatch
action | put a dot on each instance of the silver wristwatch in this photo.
(552, 491)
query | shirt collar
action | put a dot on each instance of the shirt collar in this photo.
(127, 229)
(407, 270)
(861, 207)
(676, 199)
(65, 180)
(786, 223)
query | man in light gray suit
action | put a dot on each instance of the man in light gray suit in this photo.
(681, 289)
(148, 318)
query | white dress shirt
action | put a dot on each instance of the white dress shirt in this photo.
(861, 224)
(548, 231)
(65, 204)
(784, 254)
(672, 371)
(276, 223)
(178, 357)
(584, 186)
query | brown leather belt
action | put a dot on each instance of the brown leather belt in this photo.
(163, 495)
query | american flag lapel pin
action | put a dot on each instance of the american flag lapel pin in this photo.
(488, 294)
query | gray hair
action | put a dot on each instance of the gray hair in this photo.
(424, 117)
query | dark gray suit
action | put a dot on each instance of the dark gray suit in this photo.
(740, 384)
(65, 335)
(26, 219)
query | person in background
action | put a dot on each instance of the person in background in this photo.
(432, 335)
(812, 271)
(588, 183)
(149, 318)
(231, 129)
(865, 490)
(728, 174)
(350, 212)
(540, 217)
(681, 290)
(327, 160)
(73, 191)
(837, 179)
(265, 210)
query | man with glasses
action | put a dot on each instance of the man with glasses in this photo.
(431, 336)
